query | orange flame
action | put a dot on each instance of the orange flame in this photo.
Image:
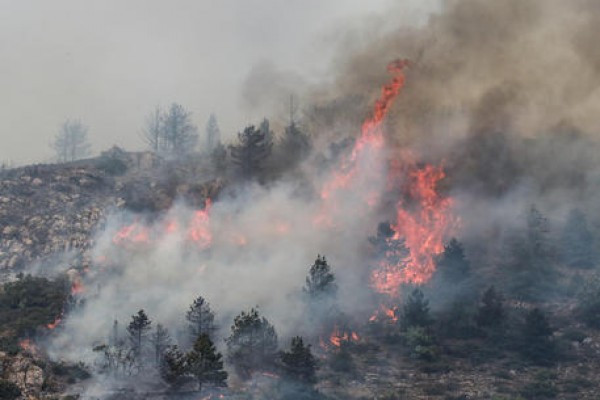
(371, 140)
(77, 287)
(338, 337)
(199, 230)
(132, 234)
(54, 324)
(423, 225)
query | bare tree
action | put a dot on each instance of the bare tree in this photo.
(213, 134)
(180, 133)
(152, 131)
(71, 142)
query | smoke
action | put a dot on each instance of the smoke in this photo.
(503, 95)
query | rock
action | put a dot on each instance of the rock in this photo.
(26, 375)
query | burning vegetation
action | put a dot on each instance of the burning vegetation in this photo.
(436, 260)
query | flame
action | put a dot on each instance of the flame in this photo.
(385, 313)
(359, 166)
(132, 234)
(54, 324)
(199, 229)
(77, 287)
(338, 337)
(28, 345)
(423, 224)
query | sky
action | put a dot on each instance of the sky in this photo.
(109, 63)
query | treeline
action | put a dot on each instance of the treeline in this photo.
(251, 347)
(172, 134)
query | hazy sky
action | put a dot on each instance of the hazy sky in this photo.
(108, 62)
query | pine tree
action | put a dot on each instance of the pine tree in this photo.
(138, 330)
(179, 132)
(200, 318)
(253, 148)
(415, 312)
(205, 363)
(529, 258)
(537, 343)
(295, 145)
(320, 282)
(491, 313)
(453, 265)
(252, 344)
(161, 341)
(173, 367)
(299, 363)
(71, 143)
(213, 134)
(577, 241)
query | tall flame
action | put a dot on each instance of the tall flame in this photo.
(423, 223)
(361, 167)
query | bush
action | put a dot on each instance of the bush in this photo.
(8, 390)
(421, 344)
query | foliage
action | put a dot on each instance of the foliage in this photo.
(299, 363)
(213, 134)
(173, 367)
(320, 282)
(200, 318)
(342, 361)
(589, 302)
(252, 344)
(8, 390)
(30, 303)
(170, 132)
(491, 313)
(252, 150)
(457, 321)
(536, 342)
(529, 258)
(453, 264)
(415, 312)
(577, 242)
(71, 142)
(138, 330)
(205, 363)
(421, 343)
(161, 341)
(295, 144)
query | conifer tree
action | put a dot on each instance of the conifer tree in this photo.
(138, 330)
(200, 318)
(299, 363)
(205, 363)
(252, 344)
(415, 312)
(320, 282)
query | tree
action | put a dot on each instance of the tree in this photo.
(537, 344)
(205, 363)
(173, 367)
(415, 312)
(452, 264)
(299, 363)
(161, 341)
(529, 258)
(179, 132)
(152, 133)
(9, 390)
(320, 282)
(577, 241)
(213, 134)
(491, 312)
(589, 302)
(71, 142)
(218, 157)
(295, 145)
(252, 344)
(253, 148)
(200, 318)
(138, 330)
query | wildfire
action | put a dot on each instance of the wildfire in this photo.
(28, 346)
(361, 165)
(77, 287)
(338, 337)
(132, 234)
(388, 313)
(199, 229)
(423, 223)
(54, 324)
